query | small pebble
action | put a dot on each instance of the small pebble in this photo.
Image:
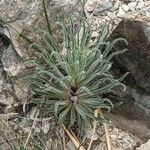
(120, 12)
(107, 18)
(145, 146)
(140, 5)
(147, 3)
(111, 14)
(132, 5)
(95, 34)
(125, 7)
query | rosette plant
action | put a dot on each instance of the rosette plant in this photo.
(71, 82)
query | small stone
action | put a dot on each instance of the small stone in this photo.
(46, 127)
(147, 13)
(103, 20)
(90, 5)
(112, 15)
(120, 12)
(98, 6)
(145, 146)
(132, 5)
(147, 3)
(106, 4)
(140, 5)
(94, 34)
(113, 136)
(116, 5)
(122, 139)
(107, 18)
(125, 7)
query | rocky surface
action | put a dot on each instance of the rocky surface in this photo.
(136, 61)
(27, 16)
(14, 89)
(98, 12)
(120, 140)
(145, 146)
(25, 11)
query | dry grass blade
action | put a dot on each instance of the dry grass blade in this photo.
(31, 129)
(94, 128)
(73, 139)
(106, 132)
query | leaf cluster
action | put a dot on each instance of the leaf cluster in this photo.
(71, 83)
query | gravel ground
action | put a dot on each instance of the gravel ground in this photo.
(120, 140)
(101, 11)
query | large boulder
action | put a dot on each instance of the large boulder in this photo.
(134, 113)
(12, 88)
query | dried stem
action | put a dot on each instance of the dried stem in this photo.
(106, 132)
(73, 139)
(31, 129)
(94, 128)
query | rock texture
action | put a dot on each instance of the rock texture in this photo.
(98, 12)
(27, 16)
(25, 11)
(12, 89)
(136, 61)
(145, 146)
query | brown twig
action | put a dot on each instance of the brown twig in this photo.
(73, 139)
(94, 128)
(29, 135)
(106, 132)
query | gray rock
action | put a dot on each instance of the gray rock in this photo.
(10, 9)
(145, 146)
(98, 6)
(26, 11)
(132, 5)
(106, 4)
(136, 61)
(140, 4)
(125, 7)
(11, 65)
(121, 12)
(11, 61)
